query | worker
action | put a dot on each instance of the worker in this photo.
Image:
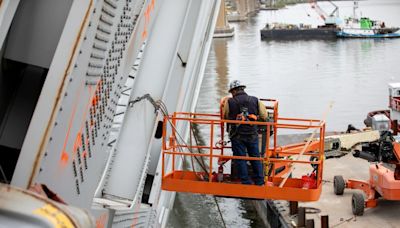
(244, 137)
(352, 129)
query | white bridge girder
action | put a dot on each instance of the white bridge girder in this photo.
(171, 69)
(70, 126)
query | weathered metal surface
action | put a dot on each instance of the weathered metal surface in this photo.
(21, 208)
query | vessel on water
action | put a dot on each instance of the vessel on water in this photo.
(366, 28)
(352, 27)
(297, 32)
(327, 31)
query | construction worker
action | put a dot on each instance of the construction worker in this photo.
(244, 137)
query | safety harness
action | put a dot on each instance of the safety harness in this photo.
(243, 115)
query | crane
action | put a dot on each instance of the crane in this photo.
(329, 19)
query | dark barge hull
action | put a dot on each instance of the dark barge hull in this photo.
(299, 34)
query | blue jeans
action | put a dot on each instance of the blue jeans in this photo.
(240, 146)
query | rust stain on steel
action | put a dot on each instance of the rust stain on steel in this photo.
(54, 110)
(1, 3)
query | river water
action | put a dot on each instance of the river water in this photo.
(305, 76)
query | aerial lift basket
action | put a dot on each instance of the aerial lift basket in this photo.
(213, 156)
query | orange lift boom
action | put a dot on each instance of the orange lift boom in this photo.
(384, 172)
(276, 159)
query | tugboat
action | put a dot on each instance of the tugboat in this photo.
(366, 28)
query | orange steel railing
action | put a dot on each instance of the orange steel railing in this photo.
(274, 156)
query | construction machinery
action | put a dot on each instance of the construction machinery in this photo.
(384, 181)
(329, 19)
(211, 159)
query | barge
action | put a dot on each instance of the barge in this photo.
(294, 32)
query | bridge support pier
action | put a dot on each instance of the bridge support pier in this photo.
(223, 29)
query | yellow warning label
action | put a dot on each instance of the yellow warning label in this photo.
(56, 217)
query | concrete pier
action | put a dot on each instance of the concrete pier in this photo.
(244, 8)
(222, 29)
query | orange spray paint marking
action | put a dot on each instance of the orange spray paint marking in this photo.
(64, 158)
(78, 142)
(147, 14)
(72, 117)
(146, 22)
(101, 221)
(87, 108)
(135, 210)
(78, 139)
(93, 99)
(147, 17)
(144, 34)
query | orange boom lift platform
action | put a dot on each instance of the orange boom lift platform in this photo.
(213, 155)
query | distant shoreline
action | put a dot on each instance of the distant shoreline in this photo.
(280, 4)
